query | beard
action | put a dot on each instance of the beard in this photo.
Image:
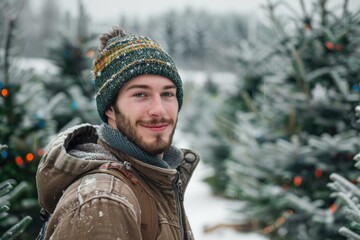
(154, 147)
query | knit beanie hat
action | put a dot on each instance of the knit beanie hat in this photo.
(124, 58)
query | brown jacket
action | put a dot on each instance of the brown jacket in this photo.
(101, 206)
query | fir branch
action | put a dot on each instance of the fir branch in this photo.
(17, 229)
(248, 101)
(344, 182)
(299, 72)
(352, 215)
(15, 192)
(348, 233)
(6, 187)
(4, 208)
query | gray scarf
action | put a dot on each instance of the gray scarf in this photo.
(172, 157)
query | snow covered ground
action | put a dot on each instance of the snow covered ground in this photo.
(205, 209)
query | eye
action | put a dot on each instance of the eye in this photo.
(140, 95)
(168, 94)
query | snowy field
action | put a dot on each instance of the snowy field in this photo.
(204, 210)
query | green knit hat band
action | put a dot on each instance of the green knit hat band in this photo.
(126, 58)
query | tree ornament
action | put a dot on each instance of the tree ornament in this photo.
(297, 181)
(29, 157)
(4, 92)
(333, 208)
(339, 47)
(318, 173)
(4, 154)
(19, 161)
(41, 123)
(355, 87)
(74, 105)
(329, 45)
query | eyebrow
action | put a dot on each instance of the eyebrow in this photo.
(144, 86)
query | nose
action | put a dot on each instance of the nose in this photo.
(157, 108)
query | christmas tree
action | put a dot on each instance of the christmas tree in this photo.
(299, 126)
(34, 107)
(73, 87)
(22, 128)
(348, 197)
(290, 122)
(9, 194)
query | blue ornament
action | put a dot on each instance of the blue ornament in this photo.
(356, 87)
(41, 123)
(2, 85)
(67, 53)
(4, 154)
(73, 105)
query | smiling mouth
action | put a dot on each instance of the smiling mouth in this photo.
(156, 127)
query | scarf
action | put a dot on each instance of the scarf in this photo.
(116, 139)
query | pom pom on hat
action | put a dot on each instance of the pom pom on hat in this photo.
(124, 58)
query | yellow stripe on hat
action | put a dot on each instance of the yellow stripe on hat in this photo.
(130, 65)
(102, 63)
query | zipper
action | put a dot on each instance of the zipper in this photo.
(179, 193)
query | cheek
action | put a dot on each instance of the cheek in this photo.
(173, 110)
(132, 111)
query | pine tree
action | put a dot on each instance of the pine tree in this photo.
(296, 126)
(9, 194)
(290, 123)
(348, 197)
(21, 130)
(72, 88)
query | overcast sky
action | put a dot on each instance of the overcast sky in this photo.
(113, 10)
(101, 10)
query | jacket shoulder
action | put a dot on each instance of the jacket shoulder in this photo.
(71, 154)
(100, 185)
(95, 202)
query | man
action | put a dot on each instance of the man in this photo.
(122, 179)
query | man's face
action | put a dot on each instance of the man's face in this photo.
(146, 112)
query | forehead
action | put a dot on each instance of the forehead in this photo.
(151, 81)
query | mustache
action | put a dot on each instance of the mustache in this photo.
(156, 121)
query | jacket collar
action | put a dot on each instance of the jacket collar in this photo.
(161, 176)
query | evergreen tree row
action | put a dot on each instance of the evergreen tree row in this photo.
(289, 123)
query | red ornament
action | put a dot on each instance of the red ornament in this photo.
(19, 161)
(29, 157)
(333, 208)
(339, 47)
(297, 181)
(329, 45)
(318, 173)
(4, 92)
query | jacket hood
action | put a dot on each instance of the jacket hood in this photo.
(58, 168)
